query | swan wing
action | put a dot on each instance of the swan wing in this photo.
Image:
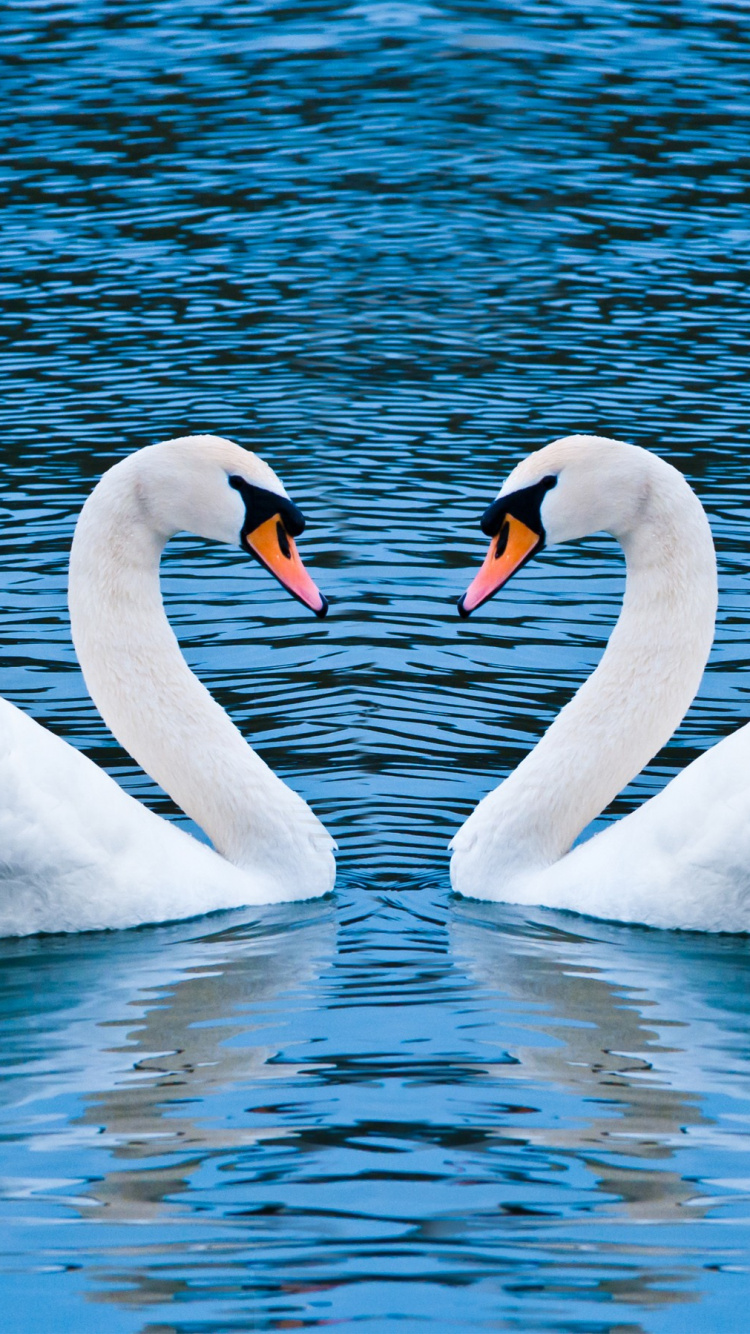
(681, 860)
(78, 853)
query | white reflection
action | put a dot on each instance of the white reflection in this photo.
(147, 1029)
(643, 1027)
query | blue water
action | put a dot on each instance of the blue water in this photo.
(392, 247)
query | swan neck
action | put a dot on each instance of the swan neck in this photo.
(629, 707)
(146, 693)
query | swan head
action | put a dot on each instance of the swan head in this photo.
(214, 488)
(573, 487)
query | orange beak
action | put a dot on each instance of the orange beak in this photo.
(275, 549)
(509, 550)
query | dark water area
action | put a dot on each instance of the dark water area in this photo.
(391, 247)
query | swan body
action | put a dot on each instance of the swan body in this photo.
(76, 851)
(682, 860)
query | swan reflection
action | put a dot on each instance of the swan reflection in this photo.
(147, 1027)
(629, 1022)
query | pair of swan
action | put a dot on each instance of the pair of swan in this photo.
(78, 853)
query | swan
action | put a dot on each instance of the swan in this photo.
(76, 851)
(682, 859)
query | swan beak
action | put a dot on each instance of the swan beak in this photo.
(509, 550)
(274, 547)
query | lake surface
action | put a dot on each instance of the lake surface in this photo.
(391, 247)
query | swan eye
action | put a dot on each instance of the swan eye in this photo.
(524, 504)
(261, 505)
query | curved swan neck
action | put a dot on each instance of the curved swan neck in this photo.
(136, 675)
(629, 707)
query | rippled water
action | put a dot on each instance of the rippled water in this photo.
(391, 247)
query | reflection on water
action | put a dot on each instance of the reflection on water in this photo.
(192, 1044)
(140, 1025)
(441, 1097)
(612, 1043)
(391, 246)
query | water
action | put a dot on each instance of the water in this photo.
(392, 247)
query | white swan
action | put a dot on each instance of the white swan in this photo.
(76, 852)
(683, 858)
